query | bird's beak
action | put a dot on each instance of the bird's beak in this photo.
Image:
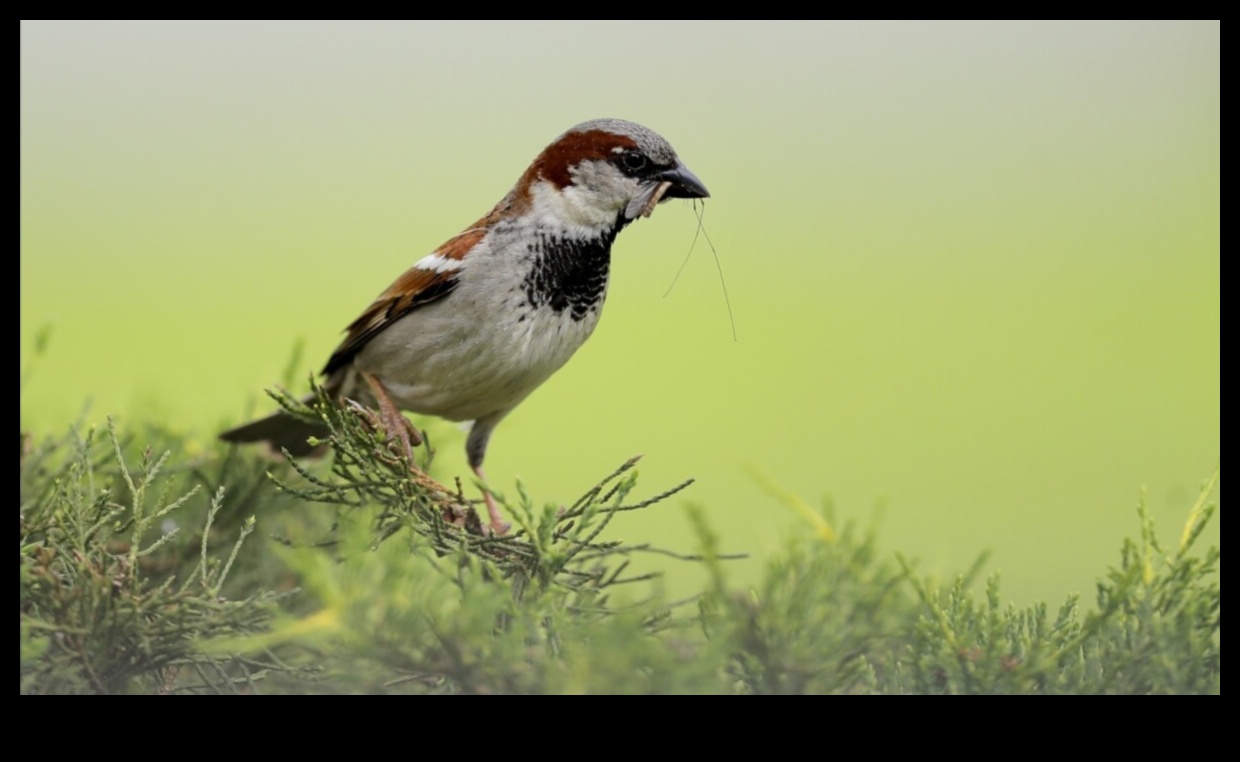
(684, 184)
(677, 182)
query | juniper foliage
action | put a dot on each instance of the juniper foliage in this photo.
(113, 599)
(136, 576)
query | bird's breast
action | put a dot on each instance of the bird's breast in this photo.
(566, 274)
(526, 302)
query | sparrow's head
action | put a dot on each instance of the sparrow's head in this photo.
(605, 173)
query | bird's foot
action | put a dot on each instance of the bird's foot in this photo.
(393, 421)
(405, 433)
(497, 526)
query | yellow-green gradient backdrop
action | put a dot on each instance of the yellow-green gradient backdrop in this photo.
(975, 267)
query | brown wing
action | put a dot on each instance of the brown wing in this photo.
(418, 286)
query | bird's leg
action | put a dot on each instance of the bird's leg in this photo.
(476, 450)
(498, 525)
(396, 423)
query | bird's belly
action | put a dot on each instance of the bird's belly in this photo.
(463, 365)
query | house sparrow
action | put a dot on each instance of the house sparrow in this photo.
(470, 330)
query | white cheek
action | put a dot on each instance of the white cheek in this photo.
(588, 208)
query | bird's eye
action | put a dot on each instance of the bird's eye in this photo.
(634, 161)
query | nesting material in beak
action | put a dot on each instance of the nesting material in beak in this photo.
(655, 198)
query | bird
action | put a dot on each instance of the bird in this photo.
(471, 329)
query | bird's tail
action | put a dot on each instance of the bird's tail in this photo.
(280, 430)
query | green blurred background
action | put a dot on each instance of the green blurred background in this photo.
(975, 268)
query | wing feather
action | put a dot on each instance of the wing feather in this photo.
(431, 279)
